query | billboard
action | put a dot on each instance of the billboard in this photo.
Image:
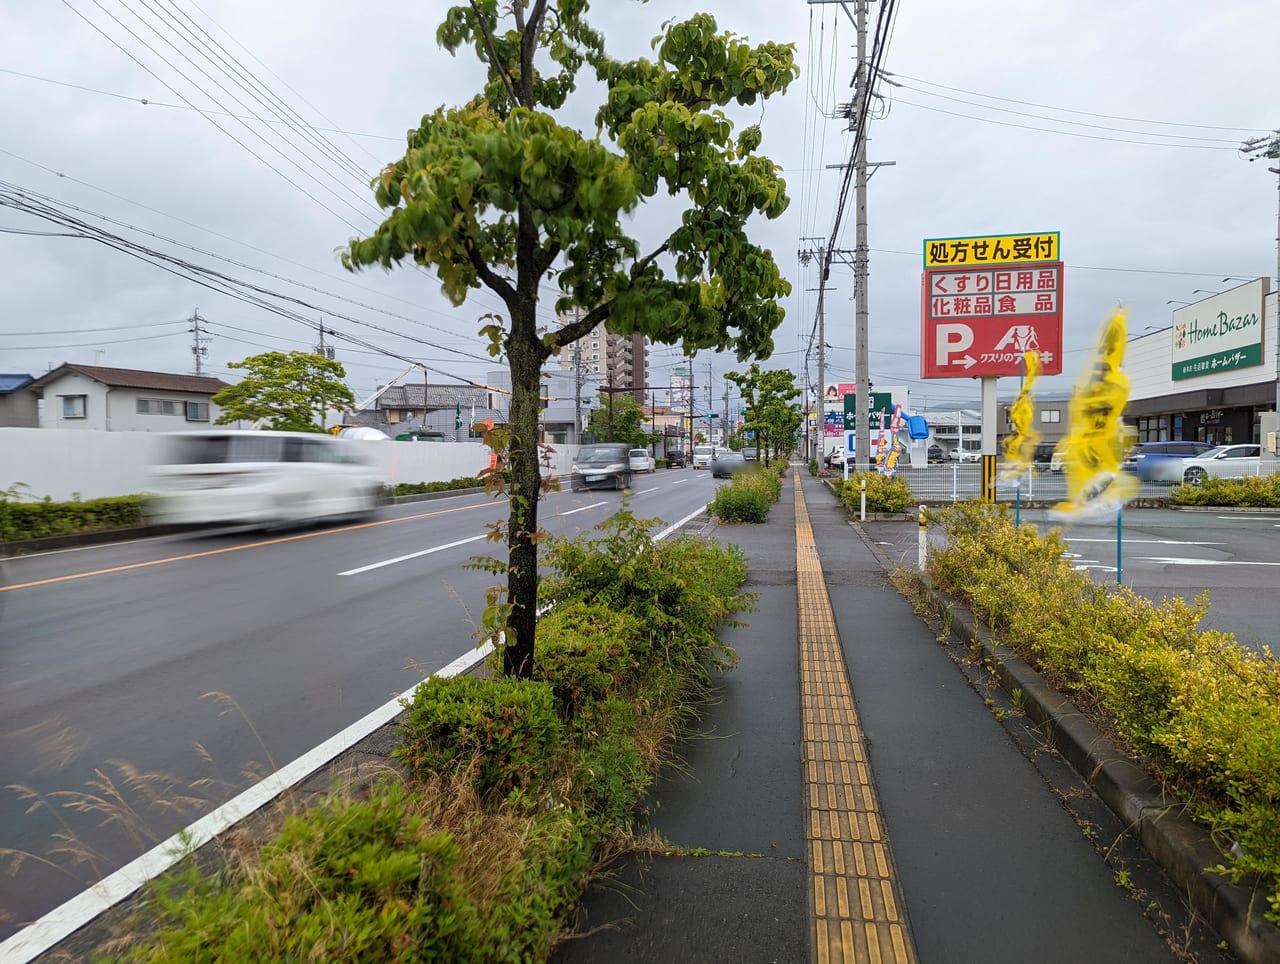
(1220, 333)
(979, 321)
(993, 249)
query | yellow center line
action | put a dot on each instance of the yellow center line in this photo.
(248, 545)
(855, 898)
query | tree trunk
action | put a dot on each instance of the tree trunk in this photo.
(525, 359)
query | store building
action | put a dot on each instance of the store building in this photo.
(1212, 374)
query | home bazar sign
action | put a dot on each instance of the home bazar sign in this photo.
(985, 301)
(1220, 333)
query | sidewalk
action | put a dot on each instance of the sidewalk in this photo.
(786, 853)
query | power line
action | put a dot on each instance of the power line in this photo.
(152, 102)
(1050, 130)
(207, 117)
(1068, 110)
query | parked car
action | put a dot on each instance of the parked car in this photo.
(641, 461)
(726, 464)
(261, 478)
(703, 455)
(965, 455)
(677, 459)
(1162, 461)
(835, 458)
(604, 466)
(937, 454)
(1224, 462)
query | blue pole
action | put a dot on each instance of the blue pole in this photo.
(1120, 547)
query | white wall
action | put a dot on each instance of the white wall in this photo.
(96, 464)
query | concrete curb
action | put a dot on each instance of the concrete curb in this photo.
(1181, 847)
(101, 538)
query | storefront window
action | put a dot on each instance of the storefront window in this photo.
(1154, 428)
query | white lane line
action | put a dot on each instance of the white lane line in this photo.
(593, 505)
(646, 491)
(1249, 518)
(1174, 561)
(412, 555)
(678, 481)
(60, 922)
(65, 919)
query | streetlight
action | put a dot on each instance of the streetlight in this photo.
(1174, 301)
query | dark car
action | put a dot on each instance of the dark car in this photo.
(937, 454)
(604, 466)
(677, 459)
(750, 453)
(1163, 461)
(727, 463)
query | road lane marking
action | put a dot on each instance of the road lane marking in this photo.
(678, 481)
(646, 491)
(412, 555)
(70, 577)
(584, 508)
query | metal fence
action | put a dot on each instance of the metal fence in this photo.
(959, 481)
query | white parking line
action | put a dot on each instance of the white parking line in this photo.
(1156, 542)
(412, 555)
(1174, 561)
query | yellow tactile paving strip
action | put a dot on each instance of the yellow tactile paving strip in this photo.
(855, 898)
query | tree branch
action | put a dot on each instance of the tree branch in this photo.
(493, 53)
(647, 260)
(496, 283)
(582, 327)
(529, 45)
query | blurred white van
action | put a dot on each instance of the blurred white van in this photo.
(260, 478)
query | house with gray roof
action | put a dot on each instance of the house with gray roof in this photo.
(125, 399)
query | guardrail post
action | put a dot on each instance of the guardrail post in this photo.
(862, 500)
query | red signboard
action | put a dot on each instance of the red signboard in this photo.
(979, 321)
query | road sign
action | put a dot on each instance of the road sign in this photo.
(980, 321)
(992, 249)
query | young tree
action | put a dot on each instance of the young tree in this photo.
(771, 413)
(501, 194)
(288, 391)
(620, 418)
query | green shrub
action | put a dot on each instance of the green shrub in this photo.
(586, 651)
(504, 733)
(422, 488)
(1261, 491)
(38, 520)
(734, 504)
(813, 467)
(884, 493)
(1203, 711)
(761, 479)
(345, 880)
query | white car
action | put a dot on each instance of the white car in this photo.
(965, 455)
(1224, 462)
(641, 461)
(261, 478)
(703, 456)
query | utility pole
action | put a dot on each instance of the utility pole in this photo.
(693, 406)
(577, 382)
(862, 412)
(323, 350)
(424, 398)
(1257, 148)
(710, 409)
(199, 342)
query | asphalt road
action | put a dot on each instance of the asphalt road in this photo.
(108, 657)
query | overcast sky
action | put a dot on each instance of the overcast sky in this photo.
(1116, 123)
